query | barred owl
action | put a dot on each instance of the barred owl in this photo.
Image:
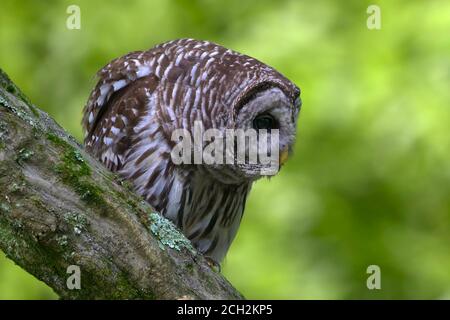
(142, 97)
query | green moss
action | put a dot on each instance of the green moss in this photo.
(73, 160)
(167, 234)
(75, 172)
(72, 170)
(130, 202)
(57, 140)
(189, 267)
(10, 88)
(126, 184)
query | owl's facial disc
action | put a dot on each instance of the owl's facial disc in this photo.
(271, 115)
(263, 135)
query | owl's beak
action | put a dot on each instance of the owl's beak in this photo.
(284, 155)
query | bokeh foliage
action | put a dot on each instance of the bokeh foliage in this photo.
(369, 182)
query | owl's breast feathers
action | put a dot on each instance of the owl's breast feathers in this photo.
(142, 97)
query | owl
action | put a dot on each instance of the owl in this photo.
(143, 96)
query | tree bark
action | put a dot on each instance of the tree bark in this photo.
(60, 207)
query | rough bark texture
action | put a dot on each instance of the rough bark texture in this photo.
(60, 207)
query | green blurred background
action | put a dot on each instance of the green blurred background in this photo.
(369, 182)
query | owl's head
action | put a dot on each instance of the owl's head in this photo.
(262, 129)
(272, 116)
(226, 90)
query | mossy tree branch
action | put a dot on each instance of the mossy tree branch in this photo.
(60, 207)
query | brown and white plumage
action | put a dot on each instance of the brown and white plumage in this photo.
(143, 96)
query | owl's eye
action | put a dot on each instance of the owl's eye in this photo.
(264, 121)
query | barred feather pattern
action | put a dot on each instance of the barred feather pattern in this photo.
(142, 97)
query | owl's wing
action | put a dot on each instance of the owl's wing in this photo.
(115, 107)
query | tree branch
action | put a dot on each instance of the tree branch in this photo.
(60, 207)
